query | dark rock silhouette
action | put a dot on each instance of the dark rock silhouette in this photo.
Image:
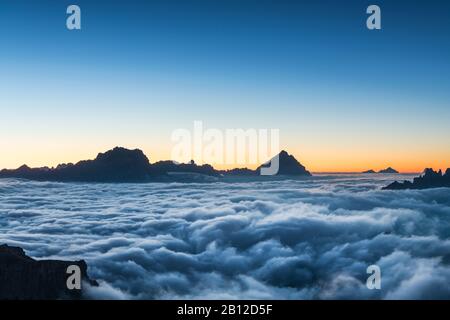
(23, 278)
(117, 165)
(429, 179)
(169, 166)
(239, 172)
(123, 165)
(288, 165)
(369, 171)
(388, 170)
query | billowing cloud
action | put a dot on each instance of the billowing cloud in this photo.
(309, 239)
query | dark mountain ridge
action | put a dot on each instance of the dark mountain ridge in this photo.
(124, 165)
(117, 165)
(388, 170)
(429, 179)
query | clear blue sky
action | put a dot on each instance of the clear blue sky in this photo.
(342, 95)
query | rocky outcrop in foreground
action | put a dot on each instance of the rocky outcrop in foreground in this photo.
(430, 179)
(23, 278)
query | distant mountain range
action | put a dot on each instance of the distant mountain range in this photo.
(429, 179)
(387, 170)
(124, 165)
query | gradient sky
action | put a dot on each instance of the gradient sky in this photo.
(344, 98)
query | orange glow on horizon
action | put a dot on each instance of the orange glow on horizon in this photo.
(316, 161)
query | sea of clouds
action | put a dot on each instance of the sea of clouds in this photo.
(305, 239)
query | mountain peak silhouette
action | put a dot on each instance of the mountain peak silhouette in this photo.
(116, 165)
(388, 170)
(288, 165)
(122, 156)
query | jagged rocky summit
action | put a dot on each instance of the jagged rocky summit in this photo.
(117, 165)
(429, 179)
(288, 165)
(23, 278)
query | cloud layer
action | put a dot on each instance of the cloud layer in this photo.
(308, 239)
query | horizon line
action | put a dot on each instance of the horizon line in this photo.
(232, 166)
